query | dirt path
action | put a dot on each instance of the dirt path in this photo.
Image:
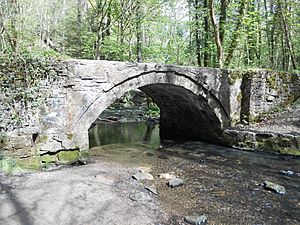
(96, 193)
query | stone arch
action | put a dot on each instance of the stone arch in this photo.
(204, 105)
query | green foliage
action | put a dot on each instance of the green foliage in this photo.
(152, 111)
(20, 75)
(8, 165)
(255, 34)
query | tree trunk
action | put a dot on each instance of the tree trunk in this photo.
(223, 17)
(139, 32)
(216, 34)
(197, 32)
(234, 40)
(79, 27)
(206, 54)
(287, 35)
(98, 44)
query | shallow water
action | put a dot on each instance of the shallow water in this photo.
(224, 183)
(103, 133)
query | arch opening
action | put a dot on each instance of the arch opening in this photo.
(183, 116)
(134, 118)
(189, 110)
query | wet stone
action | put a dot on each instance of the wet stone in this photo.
(287, 172)
(175, 182)
(142, 176)
(274, 187)
(196, 220)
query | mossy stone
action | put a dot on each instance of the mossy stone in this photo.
(49, 159)
(70, 136)
(31, 163)
(42, 139)
(234, 75)
(290, 151)
(84, 154)
(68, 156)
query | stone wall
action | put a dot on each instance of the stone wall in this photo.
(270, 89)
(29, 106)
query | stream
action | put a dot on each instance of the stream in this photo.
(223, 183)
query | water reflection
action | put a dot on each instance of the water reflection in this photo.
(104, 133)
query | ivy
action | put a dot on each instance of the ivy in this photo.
(21, 75)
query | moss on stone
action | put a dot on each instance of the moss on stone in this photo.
(68, 156)
(280, 145)
(31, 163)
(70, 136)
(271, 81)
(7, 164)
(42, 139)
(267, 145)
(290, 151)
(247, 144)
(239, 97)
(233, 75)
(84, 154)
(49, 158)
(295, 78)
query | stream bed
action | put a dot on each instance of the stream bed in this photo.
(222, 183)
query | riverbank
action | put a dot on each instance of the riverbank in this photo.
(276, 132)
(224, 184)
(97, 193)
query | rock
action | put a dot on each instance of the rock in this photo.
(152, 189)
(143, 176)
(140, 197)
(287, 172)
(196, 220)
(175, 182)
(274, 187)
(270, 98)
(144, 169)
(167, 176)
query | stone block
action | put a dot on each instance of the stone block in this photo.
(68, 156)
(49, 158)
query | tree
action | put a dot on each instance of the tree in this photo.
(217, 33)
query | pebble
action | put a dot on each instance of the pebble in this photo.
(167, 176)
(175, 182)
(196, 220)
(143, 176)
(274, 187)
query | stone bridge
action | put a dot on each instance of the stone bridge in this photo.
(195, 103)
